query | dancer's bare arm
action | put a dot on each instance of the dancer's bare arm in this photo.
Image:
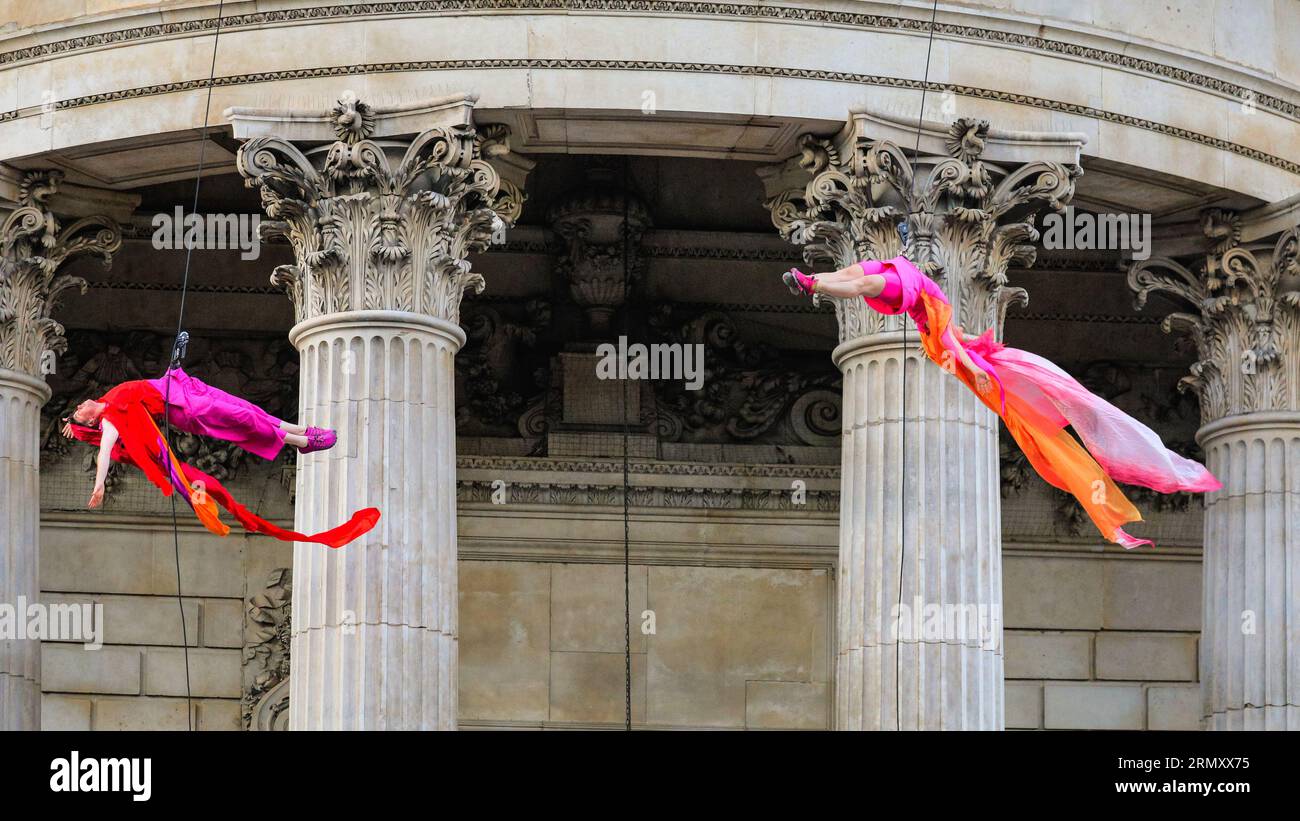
(953, 338)
(106, 442)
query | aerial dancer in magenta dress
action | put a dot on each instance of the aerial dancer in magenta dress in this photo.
(1036, 399)
(122, 424)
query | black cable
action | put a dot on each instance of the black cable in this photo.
(178, 353)
(902, 495)
(627, 527)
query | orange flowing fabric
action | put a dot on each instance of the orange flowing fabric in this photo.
(131, 408)
(1037, 401)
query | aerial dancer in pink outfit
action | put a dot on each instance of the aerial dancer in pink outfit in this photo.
(1036, 399)
(121, 423)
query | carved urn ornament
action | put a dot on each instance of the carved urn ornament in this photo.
(591, 221)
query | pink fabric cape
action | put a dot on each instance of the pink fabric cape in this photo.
(1038, 401)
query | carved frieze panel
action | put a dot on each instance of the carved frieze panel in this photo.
(267, 620)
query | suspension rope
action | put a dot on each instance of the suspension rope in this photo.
(178, 353)
(902, 495)
(627, 526)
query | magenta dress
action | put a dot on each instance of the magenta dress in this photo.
(196, 407)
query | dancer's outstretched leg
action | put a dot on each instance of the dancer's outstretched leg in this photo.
(845, 283)
(197, 407)
(307, 439)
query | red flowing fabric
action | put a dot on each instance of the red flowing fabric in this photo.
(360, 523)
(131, 408)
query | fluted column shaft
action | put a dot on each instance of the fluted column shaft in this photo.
(920, 472)
(381, 230)
(21, 398)
(374, 623)
(1244, 318)
(1250, 644)
(920, 564)
(35, 242)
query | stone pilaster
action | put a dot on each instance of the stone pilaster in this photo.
(1244, 317)
(34, 244)
(381, 228)
(920, 528)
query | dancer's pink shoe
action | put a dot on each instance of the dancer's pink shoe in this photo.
(319, 439)
(798, 282)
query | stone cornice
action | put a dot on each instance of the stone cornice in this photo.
(655, 468)
(389, 121)
(1125, 58)
(779, 72)
(999, 145)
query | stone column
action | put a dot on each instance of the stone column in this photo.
(920, 526)
(21, 398)
(34, 244)
(1245, 320)
(381, 228)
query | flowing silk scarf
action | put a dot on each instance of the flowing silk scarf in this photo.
(1038, 401)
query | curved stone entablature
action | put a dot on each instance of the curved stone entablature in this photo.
(1226, 119)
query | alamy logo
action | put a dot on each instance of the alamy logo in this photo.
(53, 622)
(1082, 231)
(77, 774)
(923, 621)
(666, 360)
(207, 232)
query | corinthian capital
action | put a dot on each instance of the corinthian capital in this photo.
(35, 242)
(385, 223)
(967, 220)
(1244, 316)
